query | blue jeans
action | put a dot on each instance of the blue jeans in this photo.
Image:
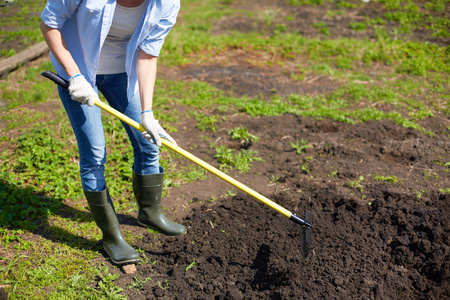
(87, 126)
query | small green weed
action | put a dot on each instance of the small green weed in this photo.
(138, 283)
(269, 15)
(106, 286)
(441, 163)
(420, 193)
(241, 133)
(300, 146)
(357, 184)
(333, 173)
(305, 167)
(430, 175)
(229, 194)
(390, 178)
(274, 179)
(190, 266)
(164, 285)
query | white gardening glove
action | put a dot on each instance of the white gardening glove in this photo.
(154, 130)
(80, 90)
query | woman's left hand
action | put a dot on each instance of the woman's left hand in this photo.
(154, 130)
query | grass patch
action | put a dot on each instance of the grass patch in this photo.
(25, 21)
(241, 161)
(32, 88)
(65, 271)
(205, 122)
(405, 56)
(406, 99)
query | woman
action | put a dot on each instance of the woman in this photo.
(113, 47)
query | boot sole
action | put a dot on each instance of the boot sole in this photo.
(119, 263)
(154, 228)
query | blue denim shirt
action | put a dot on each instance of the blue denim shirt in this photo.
(85, 24)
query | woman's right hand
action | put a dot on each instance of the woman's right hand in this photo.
(80, 90)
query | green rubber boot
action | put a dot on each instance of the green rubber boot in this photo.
(102, 210)
(148, 190)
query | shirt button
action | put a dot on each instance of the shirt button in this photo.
(91, 11)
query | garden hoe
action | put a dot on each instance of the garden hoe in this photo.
(305, 223)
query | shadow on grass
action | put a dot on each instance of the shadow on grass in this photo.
(28, 209)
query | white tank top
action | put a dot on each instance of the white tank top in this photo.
(113, 52)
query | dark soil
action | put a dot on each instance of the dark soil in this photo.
(381, 243)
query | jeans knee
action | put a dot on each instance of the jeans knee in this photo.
(93, 177)
(146, 159)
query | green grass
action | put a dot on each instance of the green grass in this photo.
(406, 99)
(241, 161)
(205, 122)
(31, 89)
(306, 2)
(322, 28)
(34, 90)
(26, 24)
(405, 57)
(32, 276)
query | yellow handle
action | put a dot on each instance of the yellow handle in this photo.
(197, 161)
(65, 84)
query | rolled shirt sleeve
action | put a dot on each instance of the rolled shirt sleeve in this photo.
(153, 43)
(55, 13)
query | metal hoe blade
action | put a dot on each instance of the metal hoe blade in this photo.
(307, 243)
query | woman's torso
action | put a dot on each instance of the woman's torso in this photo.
(127, 16)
